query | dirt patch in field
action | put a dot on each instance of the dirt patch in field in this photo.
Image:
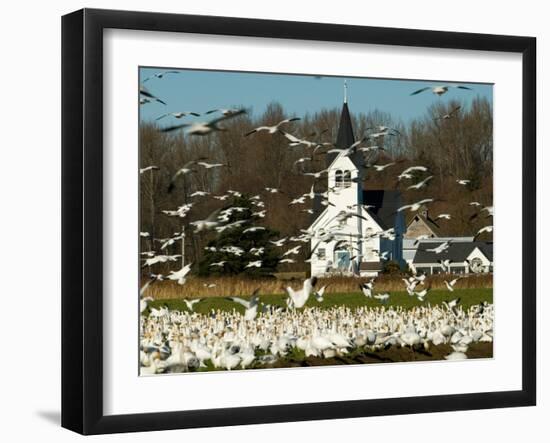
(390, 355)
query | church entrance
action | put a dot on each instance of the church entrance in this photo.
(342, 257)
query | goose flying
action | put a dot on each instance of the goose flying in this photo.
(439, 90)
(204, 128)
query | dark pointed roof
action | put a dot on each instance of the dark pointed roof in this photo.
(385, 204)
(345, 135)
(345, 138)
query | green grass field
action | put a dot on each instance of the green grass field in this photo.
(468, 297)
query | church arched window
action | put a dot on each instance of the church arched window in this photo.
(339, 178)
(347, 179)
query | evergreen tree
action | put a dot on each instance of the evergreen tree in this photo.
(238, 248)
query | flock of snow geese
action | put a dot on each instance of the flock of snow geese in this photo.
(175, 341)
(182, 341)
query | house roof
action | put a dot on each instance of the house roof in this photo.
(385, 205)
(345, 139)
(457, 251)
(430, 224)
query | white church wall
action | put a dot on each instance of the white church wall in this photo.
(343, 193)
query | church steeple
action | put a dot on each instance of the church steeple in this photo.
(345, 137)
(345, 91)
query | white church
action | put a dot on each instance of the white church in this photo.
(362, 244)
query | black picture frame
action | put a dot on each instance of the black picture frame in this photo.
(82, 218)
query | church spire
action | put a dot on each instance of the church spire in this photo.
(345, 91)
(345, 137)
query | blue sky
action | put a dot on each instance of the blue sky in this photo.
(200, 91)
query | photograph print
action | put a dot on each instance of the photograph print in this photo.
(292, 221)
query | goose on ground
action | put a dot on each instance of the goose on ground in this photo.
(456, 356)
(410, 337)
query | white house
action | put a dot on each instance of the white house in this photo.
(361, 244)
(464, 257)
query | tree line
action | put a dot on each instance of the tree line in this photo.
(459, 147)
